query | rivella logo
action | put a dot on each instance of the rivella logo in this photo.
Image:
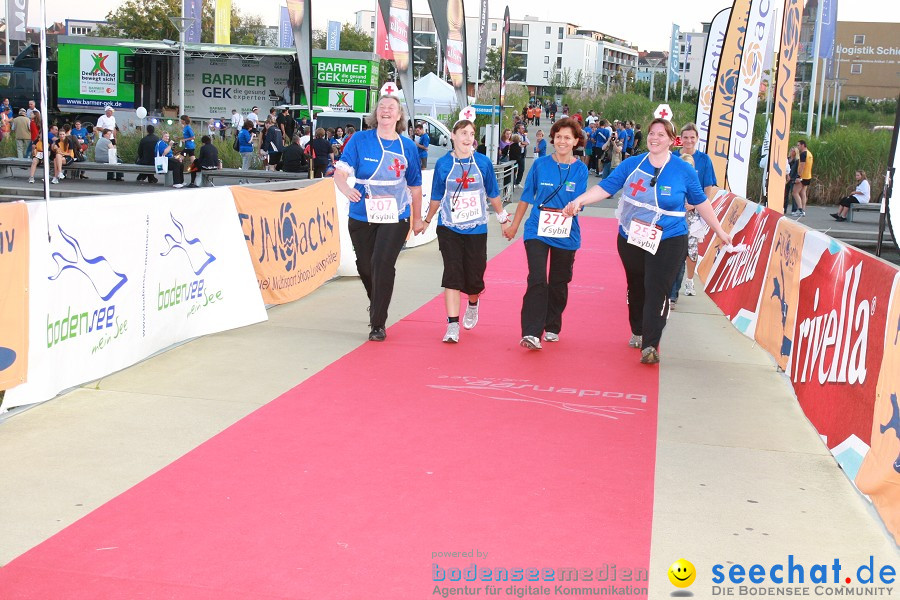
(98, 270)
(893, 423)
(99, 63)
(192, 248)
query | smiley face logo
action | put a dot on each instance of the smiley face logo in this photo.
(682, 573)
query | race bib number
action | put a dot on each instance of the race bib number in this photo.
(554, 224)
(382, 209)
(467, 206)
(644, 235)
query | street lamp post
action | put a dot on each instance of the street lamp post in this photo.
(181, 24)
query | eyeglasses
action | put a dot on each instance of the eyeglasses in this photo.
(656, 171)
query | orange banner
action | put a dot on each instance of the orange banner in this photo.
(879, 475)
(781, 292)
(293, 238)
(722, 113)
(780, 134)
(13, 294)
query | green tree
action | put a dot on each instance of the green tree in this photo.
(149, 20)
(492, 65)
(352, 39)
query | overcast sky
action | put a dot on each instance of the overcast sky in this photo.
(646, 23)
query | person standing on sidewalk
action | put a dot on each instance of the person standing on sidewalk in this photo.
(379, 173)
(550, 237)
(652, 237)
(805, 169)
(464, 182)
(22, 128)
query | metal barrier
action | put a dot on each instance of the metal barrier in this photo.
(506, 177)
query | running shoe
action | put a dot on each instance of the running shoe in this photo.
(452, 335)
(649, 355)
(549, 336)
(377, 334)
(689, 288)
(531, 342)
(836, 216)
(54, 180)
(636, 341)
(470, 319)
(31, 180)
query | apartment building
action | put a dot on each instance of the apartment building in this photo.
(546, 49)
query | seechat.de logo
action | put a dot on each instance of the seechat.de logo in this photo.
(682, 573)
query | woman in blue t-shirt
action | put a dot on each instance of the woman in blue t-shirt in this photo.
(652, 240)
(551, 184)
(379, 173)
(464, 182)
(187, 136)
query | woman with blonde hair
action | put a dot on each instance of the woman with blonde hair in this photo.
(861, 195)
(379, 173)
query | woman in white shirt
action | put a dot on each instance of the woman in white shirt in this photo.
(860, 196)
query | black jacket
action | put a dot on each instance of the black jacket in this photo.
(146, 151)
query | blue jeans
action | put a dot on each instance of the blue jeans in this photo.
(605, 170)
(673, 294)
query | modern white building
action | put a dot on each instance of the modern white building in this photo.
(692, 47)
(546, 49)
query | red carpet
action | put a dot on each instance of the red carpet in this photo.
(345, 486)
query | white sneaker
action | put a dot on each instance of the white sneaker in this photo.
(452, 335)
(62, 175)
(796, 213)
(178, 185)
(470, 318)
(54, 180)
(636, 341)
(549, 336)
(31, 180)
(530, 342)
(689, 288)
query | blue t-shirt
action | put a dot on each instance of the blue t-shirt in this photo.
(363, 153)
(628, 142)
(677, 182)
(705, 171)
(162, 149)
(187, 132)
(554, 186)
(442, 169)
(542, 148)
(80, 133)
(425, 141)
(244, 142)
(601, 136)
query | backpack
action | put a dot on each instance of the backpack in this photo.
(237, 144)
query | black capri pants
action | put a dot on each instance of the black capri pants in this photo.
(465, 260)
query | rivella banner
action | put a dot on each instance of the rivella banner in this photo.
(293, 238)
(301, 25)
(450, 25)
(829, 315)
(103, 298)
(397, 16)
(13, 294)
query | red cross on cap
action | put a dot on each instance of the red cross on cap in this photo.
(663, 112)
(388, 89)
(468, 114)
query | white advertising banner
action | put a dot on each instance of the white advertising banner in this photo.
(126, 276)
(708, 76)
(214, 86)
(756, 48)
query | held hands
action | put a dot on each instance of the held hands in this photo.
(571, 208)
(509, 231)
(419, 225)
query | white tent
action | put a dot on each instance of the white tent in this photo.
(435, 96)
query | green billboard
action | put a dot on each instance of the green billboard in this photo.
(332, 71)
(92, 77)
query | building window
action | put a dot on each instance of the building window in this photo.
(559, 62)
(560, 33)
(518, 30)
(546, 60)
(493, 27)
(373, 23)
(852, 98)
(859, 40)
(559, 48)
(547, 74)
(546, 45)
(856, 69)
(493, 42)
(549, 30)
